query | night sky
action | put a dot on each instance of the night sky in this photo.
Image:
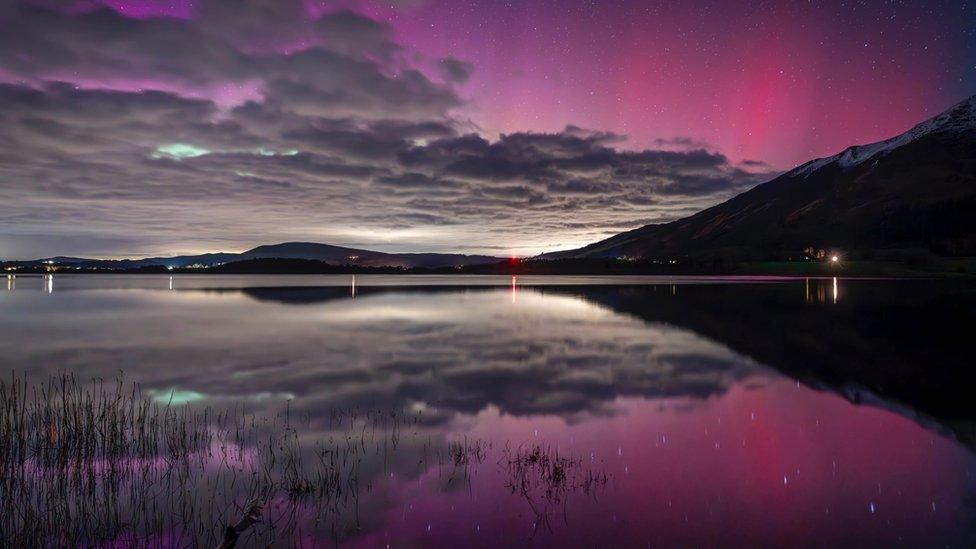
(144, 128)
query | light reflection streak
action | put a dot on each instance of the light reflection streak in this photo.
(514, 288)
(11, 282)
(818, 291)
(352, 287)
(49, 284)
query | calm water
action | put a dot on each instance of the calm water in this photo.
(711, 412)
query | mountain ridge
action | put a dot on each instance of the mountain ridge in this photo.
(339, 255)
(959, 117)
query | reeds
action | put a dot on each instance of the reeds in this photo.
(84, 464)
(545, 479)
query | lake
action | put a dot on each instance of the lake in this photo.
(549, 411)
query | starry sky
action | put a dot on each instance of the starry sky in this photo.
(160, 127)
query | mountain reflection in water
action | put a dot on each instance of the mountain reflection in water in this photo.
(719, 413)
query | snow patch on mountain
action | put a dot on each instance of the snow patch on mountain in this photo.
(960, 118)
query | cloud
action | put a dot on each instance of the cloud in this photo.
(455, 70)
(340, 63)
(251, 122)
(680, 142)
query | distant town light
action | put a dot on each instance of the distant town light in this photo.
(834, 259)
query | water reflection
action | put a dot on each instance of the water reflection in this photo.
(514, 289)
(720, 413)
(613, 340)
(821, 290)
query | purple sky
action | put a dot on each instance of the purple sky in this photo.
(135, 128)
(777, 81)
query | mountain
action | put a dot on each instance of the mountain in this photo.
(288, 250)
(341, 255)
(915, 190)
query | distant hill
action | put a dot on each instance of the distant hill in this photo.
(915, 190)
(340, 255)
(337, 255)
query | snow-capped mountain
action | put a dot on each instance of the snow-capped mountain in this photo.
(960, 118)
(915, 190)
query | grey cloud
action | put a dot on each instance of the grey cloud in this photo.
(323, 83)
(680, 142)
(353, 143)
(415, 180)
(341, 63)
(382, 139)
(581, 187)
(413, 130)
(455, 70)
(577, 163)
(70, 103)
(697, 185)
(42, 43)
